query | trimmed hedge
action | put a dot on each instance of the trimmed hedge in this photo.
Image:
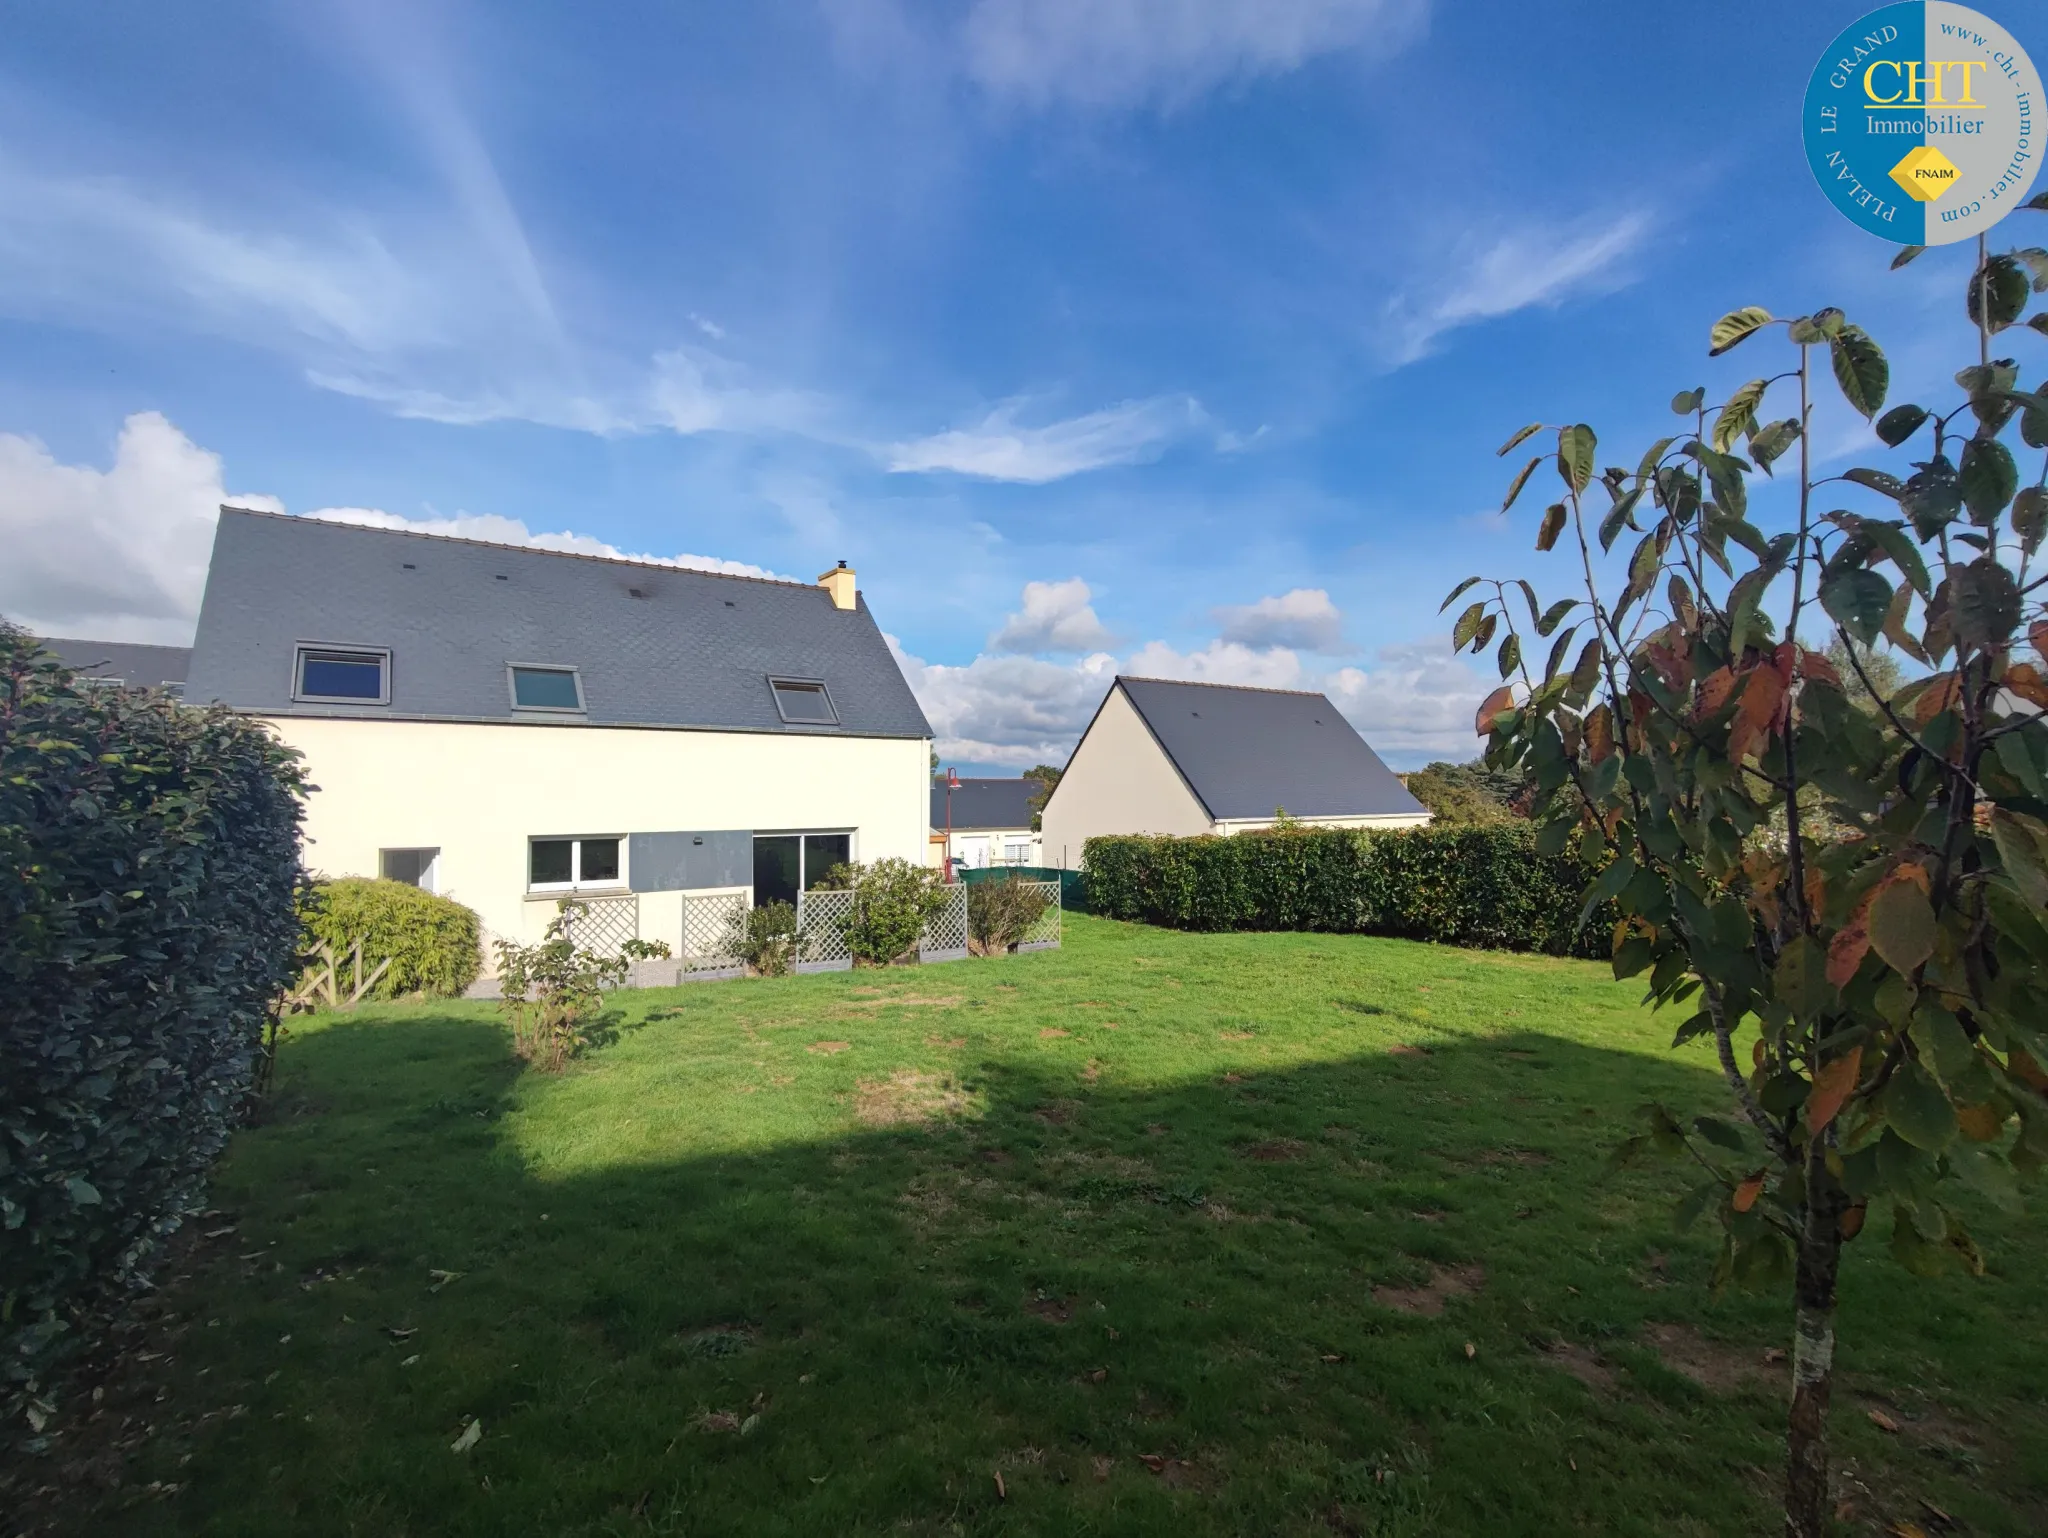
(1476, 886)
(435, 944)
(149, 871)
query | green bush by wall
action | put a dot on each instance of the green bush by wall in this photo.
(433, 942)
(1478, 886)
(149, 870)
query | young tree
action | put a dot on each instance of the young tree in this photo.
(1871, 977)
(1047, 777)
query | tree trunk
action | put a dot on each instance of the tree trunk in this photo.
(1808, 1502)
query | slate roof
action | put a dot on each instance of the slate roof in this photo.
(986, 803)
(130, 662)
(1246, 751)
(655, 645)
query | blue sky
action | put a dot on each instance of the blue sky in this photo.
(1147, 334)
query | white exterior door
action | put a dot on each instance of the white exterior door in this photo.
(974, 852)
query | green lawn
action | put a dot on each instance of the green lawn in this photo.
(1150, 1227)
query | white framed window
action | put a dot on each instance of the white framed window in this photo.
(544, 686)
(1016, 852)
(415, 867)
(804, 701)
(575, 864)
(341, 675)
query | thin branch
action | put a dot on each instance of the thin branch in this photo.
(1724, 1045)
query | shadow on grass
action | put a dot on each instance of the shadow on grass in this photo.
(1148, 1311)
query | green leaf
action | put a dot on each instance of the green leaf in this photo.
(82, 1192)
(1686, 402)
(1548, 620)
(1721, 1133)
(1455, 593)
(1984, 599)
(1467, 626)
(1768, 443)
(1901, 925)
(1533, 427)
(1738, 416)
(1900, 423)
(1860, 369)
(1997, 293)
(1820, 326)
(2036, 261)
(1800, 979)
(2022, 844)
(1891, 539)
(1520, 481)
(1932, 498)
(1735, 327)
(2030, 517)
(1510, 654)
(1586, 671)
(1906, 254)
(1916, 1109)
(1857, 600)
(1575, 449)
(1557, 651)
(1878, 481)
(1644, 564)
(1551, 527)
(1988, 478)
(1616, 520)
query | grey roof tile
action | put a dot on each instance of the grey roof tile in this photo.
(654, 645)
(986, 803)
(1246, 751)
(128, 661)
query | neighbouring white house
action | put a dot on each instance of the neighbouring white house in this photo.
(1162, 756)
(510, 726)
(985, 821)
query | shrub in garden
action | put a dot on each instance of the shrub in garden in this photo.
(147, 921)
(892, 902)
(1482, 886)
(1839, 882)
(553, 991)
(765, 938)
(433, 942)
(1000, 913)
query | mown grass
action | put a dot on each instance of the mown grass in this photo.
(1107, 1222)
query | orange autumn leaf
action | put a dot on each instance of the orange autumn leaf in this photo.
(1938, 696)
(1762, 698)
(1852, 1221)
(1747, 1193)
(1832, 1087)
(2020, 1063)
(1599, 734)
(1814, 665)
(2038, 634)
(2025, 680)
(1490, 707)
(1715, 690)
(1846, 952)
(1981, 1123)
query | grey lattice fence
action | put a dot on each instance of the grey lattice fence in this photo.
(604, 923)
(945, 932)
(712, 927)
(821, 932)
(1044, 933)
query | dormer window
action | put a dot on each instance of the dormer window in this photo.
(342, 675)
(803, 702)
(536, 687)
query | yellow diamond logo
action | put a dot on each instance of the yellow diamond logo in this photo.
(1925, 173)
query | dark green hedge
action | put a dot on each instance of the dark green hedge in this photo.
(433, 942)
(149, 871)
(1478, 886)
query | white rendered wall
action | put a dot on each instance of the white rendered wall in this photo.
(1120, 781)
(478, 792)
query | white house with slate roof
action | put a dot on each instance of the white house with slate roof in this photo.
(1162, 756)
(983, 822)
(511, 726)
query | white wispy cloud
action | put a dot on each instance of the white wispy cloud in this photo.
(1055, 617)
(1007, 711)
(1526, 268)
(999, 449)
(1126, 53)
(1303, 617)
(120, 554)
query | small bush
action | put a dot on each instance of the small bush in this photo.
(433, 942)
(1000, 913)
(892, 902)
(1478, 886)
(765, 938)
(553, 991)
(147, 922)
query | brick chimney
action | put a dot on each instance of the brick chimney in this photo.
(839, 583)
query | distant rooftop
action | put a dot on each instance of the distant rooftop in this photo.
(126, 662)
(1245, 752)
(986, 803)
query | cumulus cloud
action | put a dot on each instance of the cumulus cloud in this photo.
(1535, 266)
(1011, 712)
(1303, 617)
(1056, 617)
(998, 449)
(1124, 53)
(1415, 703)
(120, 554)
(1221, 662)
